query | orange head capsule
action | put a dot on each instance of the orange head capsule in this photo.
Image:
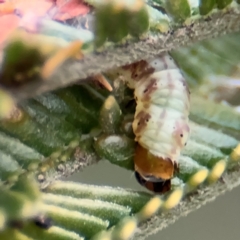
(153, 172)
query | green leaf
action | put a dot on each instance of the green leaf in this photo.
(110, 115)
(106, 211)
(206, 6)
(208, 58)
(116, 19)
(17, 70)
(117, 149)
(215, 115)
(6, 104)
(221, 4)
(179, 9)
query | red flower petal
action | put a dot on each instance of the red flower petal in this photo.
(70, 9)
(38, 7)
(8, 23)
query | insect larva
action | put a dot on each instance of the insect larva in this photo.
(161, 119)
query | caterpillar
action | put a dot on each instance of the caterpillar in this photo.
(161, 119)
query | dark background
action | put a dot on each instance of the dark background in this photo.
(218, 220)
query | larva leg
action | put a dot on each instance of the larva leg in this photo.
(103, 81)
(161, 119)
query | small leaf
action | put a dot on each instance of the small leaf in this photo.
(14, 234)
(139, 22)
(29, 187)
(18, 70)
(213, 138)
(54, 233)
(83, 224)
(117, 149)
(178, 9)
(113, 195)
(215, 115)
(206, 6)
(221, 4)
(20, 202)
(110, 115)
(9, 168)
(125, 17)
(27, 157)
(107, 211)
(7, 105)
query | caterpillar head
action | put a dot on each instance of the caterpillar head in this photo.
(156, 187)
(153, 172)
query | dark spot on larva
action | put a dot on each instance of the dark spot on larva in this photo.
(136, 75)
(185, 144)
(147, 120)
(141, 118)
(145, 90)
(151, 87)
(146, 72)
(181, 135)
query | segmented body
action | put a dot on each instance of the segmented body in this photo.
(162, 96)
(161, 119)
